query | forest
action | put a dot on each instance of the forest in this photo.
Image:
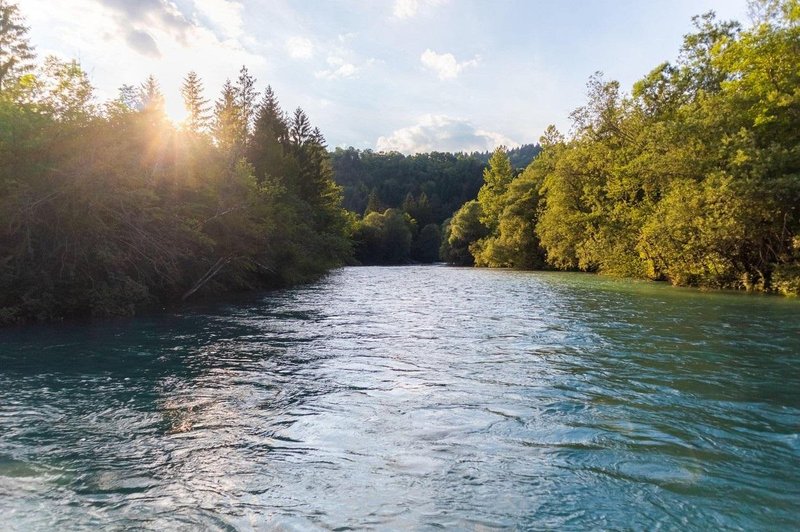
(405, 199)
(376, 180)
(107, 208)
(693, 177)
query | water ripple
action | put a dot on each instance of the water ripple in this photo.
(415, 397)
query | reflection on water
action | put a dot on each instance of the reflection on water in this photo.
(415, 397)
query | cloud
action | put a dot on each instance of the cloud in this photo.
(341, 68)
(442, 133)
(143, 42)
(223, 15)
(299, 48)
(157, 39)
(445, 65)
(150, 13)
(135, 20)
(140, 20)
(409, 8)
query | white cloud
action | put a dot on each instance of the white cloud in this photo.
(340, 68)
(409, 8)
(119, 42)
(445, 65)
(442, 133)
(299, 48)
(224, 15)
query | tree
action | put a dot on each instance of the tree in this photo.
(383, 238)
(463, 230)
(197, 107)
(425, 248)
(496, 178)
(16, 52)
(300, 128)
(267, 148)
(151, 97)
(373, 203)
(246, 96)
(66, 91)
(516, 244)
(108, 215)
(227, 126)
(128, 100)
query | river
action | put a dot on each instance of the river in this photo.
(411, 398)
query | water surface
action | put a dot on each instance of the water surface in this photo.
(415, 397)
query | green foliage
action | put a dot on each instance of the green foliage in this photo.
(425, 247)
(197, 107)
(384, 238)
(509, 210)
(108, 209)
(693, 178)
(227, 125)
(514, 243)
(496, 178)
(16, 53)
(437, 183)
(461, 231)
(65, 91)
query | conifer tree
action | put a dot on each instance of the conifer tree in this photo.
(266, 148)
(16, 52)
(300, 130)
(246, 96)
(269, 116)
(129, 97)
(196, 106)
(497, 176)
(227, 132)
(151, 97)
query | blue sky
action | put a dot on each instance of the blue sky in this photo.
(410, 75)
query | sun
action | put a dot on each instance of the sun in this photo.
(176, 112)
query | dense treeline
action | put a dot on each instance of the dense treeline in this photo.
(376, 180)
(106, 208)
(519, 157)
(694, 177)
(406, 198)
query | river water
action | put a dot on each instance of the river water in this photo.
(411, 397)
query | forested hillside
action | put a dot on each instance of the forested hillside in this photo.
(405, 199)
(376, 180)
(693, 177)
(109, 207)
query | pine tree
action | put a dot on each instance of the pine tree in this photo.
(300, 130)
(151, 97)
(16, 53)
(196, 106)
(269, 140)
(129, 97)
(270, 117)
(227, 132)
(497, 176)
(246, 96)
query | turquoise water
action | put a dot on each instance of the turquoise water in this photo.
(413, 397)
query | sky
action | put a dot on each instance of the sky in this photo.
(405, 75)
